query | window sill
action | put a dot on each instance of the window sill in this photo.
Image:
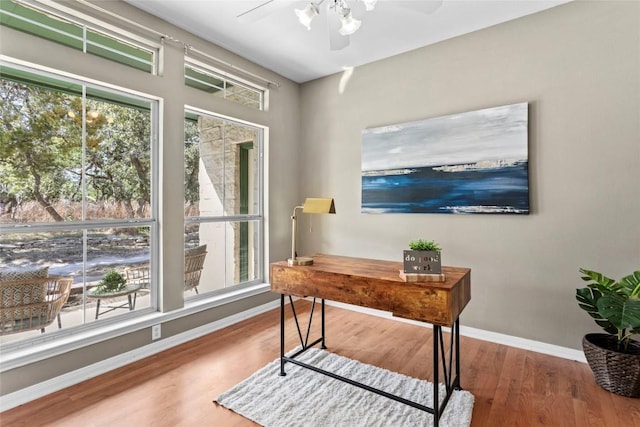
(83, 338)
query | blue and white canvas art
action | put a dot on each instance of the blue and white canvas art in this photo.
(468, 163)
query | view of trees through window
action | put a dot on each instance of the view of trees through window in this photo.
(79, 193)
(75, 184)
(42, 167)
(77, 197)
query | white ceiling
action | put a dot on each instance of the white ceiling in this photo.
(272, 36)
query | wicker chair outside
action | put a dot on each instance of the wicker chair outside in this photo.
(138, 276)
(30, 304)
(193, 265)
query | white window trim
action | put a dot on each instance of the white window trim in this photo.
(208, 68)
(262, 202)
(82, 19)
(19, 63)
(152, 223)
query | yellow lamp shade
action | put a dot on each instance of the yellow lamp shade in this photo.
(318, 205)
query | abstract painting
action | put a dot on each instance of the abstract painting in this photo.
(468, 163)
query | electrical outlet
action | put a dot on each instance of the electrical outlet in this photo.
(156, 332)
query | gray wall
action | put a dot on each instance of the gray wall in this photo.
(578, 66)
(281, 190)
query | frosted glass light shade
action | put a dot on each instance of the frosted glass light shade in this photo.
(306, 15)
(349, 24)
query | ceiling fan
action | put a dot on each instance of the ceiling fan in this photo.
(341, 22)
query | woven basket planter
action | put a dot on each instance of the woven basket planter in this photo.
(616, 372)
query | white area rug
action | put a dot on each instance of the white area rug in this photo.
(305, 398)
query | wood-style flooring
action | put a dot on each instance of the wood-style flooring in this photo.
(512, 387)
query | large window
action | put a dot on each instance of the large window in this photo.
(76, 193)
(79, 174)
(223, 199)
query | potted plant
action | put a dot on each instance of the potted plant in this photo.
(614, 357)
(423, 257)
(111, 282)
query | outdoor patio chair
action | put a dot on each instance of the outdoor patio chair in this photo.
(193, 265)
(32, 303)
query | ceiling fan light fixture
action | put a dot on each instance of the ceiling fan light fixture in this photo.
(349, 24)
(306, 15)
(369, 5)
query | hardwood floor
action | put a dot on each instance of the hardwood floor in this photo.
(512, 387)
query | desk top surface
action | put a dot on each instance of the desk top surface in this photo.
(373, 269)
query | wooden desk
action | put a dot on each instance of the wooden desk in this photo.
(377, 284)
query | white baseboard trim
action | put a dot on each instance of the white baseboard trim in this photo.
(511, 341)
(44, 388)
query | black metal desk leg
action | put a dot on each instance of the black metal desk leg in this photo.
(282, 372)
(437, 331)
(458, 384)
(323, 345)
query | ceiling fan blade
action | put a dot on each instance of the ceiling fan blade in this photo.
(426, 6)
(336, 40)
(262, 10)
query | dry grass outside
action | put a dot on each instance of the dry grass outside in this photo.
(32, 212)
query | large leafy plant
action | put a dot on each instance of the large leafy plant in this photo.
(614, 305)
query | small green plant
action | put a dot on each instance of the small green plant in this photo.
(424, 245)
(111, 282)
(613, 305)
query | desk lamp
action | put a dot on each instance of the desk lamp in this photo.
(313, 206)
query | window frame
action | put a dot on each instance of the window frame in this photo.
(258, 217)
(98, 27)
(204, 68)
(89, 224)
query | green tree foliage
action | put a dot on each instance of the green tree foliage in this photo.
(38, 139)
(191, 161)
(118, 162)
(42, 157)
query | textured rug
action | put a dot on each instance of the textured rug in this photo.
(304, 398)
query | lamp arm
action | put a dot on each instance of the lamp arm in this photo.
(293, 232)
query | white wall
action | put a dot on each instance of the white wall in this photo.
(578, 67)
